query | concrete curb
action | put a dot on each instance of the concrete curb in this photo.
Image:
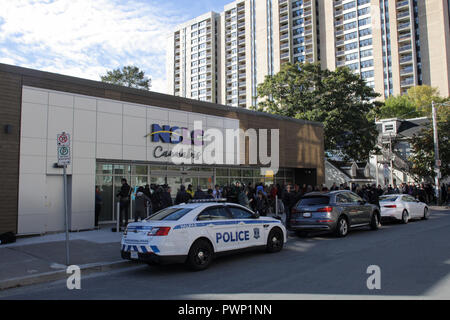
(58, 275)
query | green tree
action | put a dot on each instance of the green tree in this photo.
(422, 148)
(128, 76)
(339, 99)
(398, 107)
(422, 96)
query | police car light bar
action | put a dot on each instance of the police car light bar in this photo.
(208, 200)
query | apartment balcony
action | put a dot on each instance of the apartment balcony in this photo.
(340, 63)
(177, 86)
(242, 102)
(339, 23)
(340, 53)
(241, 25)
(240, 9)
(339, 32)
(282, 2)
(177, 65)
(242, 93)
(340, 43)
(284, 18)
(403, 37)
(241, 58)
(284, 36)
(285, 56)
(242, 75)
(241, 33)
(285, 46)
(406, 59)
(406, 71)
(309, 51)
(338, 13)
(284, 27)
(308, 32)
(409, 82)
(405, 48)
(242, 84)
(242, 41)
(402, 4)
(307, 4)
(241, 17)
(403, 15)
(230, 72)
(283, 10)
(402, 26)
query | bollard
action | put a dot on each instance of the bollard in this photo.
(118, 217)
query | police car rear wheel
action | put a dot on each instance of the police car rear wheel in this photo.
(200, 255)
(275, 241)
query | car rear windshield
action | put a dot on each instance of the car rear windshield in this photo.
(169, 214)
(387, 198)
(314, 201)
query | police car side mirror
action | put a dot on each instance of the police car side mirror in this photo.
(255, 215)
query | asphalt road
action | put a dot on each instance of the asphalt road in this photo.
(414, 260)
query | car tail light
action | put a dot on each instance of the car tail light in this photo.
(325, 209)
(159, 231)
(391, 206)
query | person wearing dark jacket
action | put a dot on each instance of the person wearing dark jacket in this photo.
(124, 198)
(199, 194)
(157, 199)
(182, 195)
(288, 202)
(166, 198)
(261, 204)
(141, 204)
(98, 204)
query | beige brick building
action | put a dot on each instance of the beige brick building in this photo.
(392, 44)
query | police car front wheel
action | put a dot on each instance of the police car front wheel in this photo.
(200, 255)
(275, 240)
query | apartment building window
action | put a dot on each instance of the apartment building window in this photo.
(352, 56)
(202, 46)
(202, 69)
(365, 43)
(202, 54)
(296, 4)
(194, 79)
(299, 59)
(353, 66)
(363, 22)
(350, 15)
(349, 5)
(194, 71)
(194, 93)
(351, 46)
(194, 48)
(366, 53)
(194, 63)
(351, 35)
(299, 31)
(298, 22)
(202, 84)
(194, 56)
(234, 84)
(194, 27)
(361, 2)
(298, 50)
(194, 86)
(365, 32)
(297, 13)
(366, 63)
(363, 11)
(350, 25)
(194, 41)
(194, 34)
(202, 38)
(202, 76)
(299, 40)
(202, 92)
(202, 61)
(367, 74)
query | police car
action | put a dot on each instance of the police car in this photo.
(195, 232)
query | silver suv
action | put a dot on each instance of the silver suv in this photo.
(335, 211)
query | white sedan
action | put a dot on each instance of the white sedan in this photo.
(403, 207)
(194, 233)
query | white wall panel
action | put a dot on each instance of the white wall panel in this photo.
(109, 106)
(34, 96)
(34, 120)
(59, 120)
(85, 126)
(109, 128)
(61, 99)
(134, 131)
(89, 104)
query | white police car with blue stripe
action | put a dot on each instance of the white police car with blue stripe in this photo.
(194, 233)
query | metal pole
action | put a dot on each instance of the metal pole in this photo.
(376, 169)
(390, 159)
(276, 205)
(436, 153)
(66, 214)
(117, 216)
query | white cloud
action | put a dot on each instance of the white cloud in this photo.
(85, 38)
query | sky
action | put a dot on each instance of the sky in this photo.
(85, 38)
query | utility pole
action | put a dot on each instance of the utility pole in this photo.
(437, 163)
(391, 180)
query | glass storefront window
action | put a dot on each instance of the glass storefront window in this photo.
(205, 169)
(106, 192)
(247, 173)
(173, 168)
(158, 168)
(104, 168)
(235, 172)
(140, 170)
(138, 181)
(120, 169)
(222, 182)
(221, 172)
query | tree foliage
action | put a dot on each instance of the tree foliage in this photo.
(415, 103)
(422, 147)
(128, 76)
(339, 99)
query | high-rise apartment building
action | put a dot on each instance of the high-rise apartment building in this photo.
(392, 44)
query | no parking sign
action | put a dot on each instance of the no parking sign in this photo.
(63, 148)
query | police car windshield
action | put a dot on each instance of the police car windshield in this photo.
(169, 214)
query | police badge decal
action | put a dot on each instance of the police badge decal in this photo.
(256, 233)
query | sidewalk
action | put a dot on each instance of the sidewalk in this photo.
(39, 259)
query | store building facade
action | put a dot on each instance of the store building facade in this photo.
(116, 133)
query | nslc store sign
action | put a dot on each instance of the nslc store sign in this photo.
(176, 135)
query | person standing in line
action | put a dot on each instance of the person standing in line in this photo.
(141, 205)
(182, 196)
(98, 204)
(166, 198)
(190, 191)
(217, 194)
(124, 198)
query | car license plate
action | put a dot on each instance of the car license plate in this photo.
(307, 215)
(134, 255)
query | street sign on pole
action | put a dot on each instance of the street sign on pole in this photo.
(63, 150)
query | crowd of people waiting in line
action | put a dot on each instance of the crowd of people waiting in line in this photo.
(260, 198)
